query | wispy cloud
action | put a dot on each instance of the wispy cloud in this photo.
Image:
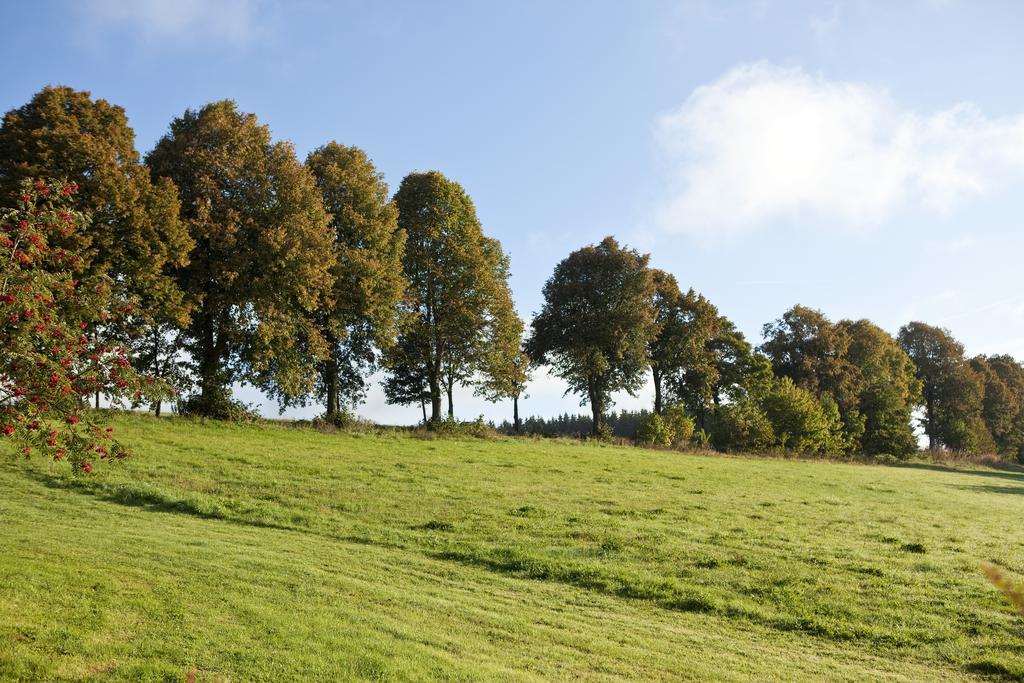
(765, 142)
(235, 22)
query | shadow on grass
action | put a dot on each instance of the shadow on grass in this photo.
(151, 499)
(994, 488)
(1011, 472)
(673, 595)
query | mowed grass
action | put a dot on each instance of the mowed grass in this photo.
(275, 553)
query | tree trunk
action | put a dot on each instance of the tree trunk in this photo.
(435, 400)
(209, 364)
(331, 377)
(516, 425)
(657, 389)
(97, 400)
(451, 404)
(929, 417)
(156, 408)
(596, 409)
(423, 407)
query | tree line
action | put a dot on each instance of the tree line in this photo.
(246, 264)
(239, 262)
(610, 321)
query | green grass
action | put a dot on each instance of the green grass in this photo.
(273, 553)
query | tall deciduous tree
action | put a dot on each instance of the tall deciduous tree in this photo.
(729, 371)
(808, 348)
(263, 255)
(952, 392)
(597, 321)
(1003, 402)
(135, 236)
(686, 324)
(458, 288)
(362, 313)
(505, 365)
(887, 388)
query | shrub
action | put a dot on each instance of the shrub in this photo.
(799, 420)
(449, 426)
(680, 425)
(653, 431)
(218, 405)
(741, 426)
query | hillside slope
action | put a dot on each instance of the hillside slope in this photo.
(272, 553)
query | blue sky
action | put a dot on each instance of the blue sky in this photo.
(864, 158)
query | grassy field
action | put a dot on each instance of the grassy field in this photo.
(274, 553)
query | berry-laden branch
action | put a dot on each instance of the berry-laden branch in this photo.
(50, 358)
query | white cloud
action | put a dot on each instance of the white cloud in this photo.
(230, 21)
(765, 143)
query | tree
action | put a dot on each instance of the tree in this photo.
(728, 370)
(887, 388)
(951, 392)
(458, 291)
(686, 324)
(805, 346)
(263, 256)
(801, 422)
(596, 323)
(50, 362)
(362, 313)
(407, 382)
(1003, 402)
(505, 365)
(134, 235)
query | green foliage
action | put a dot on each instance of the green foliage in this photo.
(218, 404)
(952, 392)
(1002, 408)
(134, 235)
(680, 425)
(263, 256)
(728, 370)
(597, 320)
(857, 366)
(504, 365)
(654, 432)
(806, 347)
(686, 324)
(741, 426)
(361, 314)
(801, 423)
(887, 389)
(449, 426)
(458, 296)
